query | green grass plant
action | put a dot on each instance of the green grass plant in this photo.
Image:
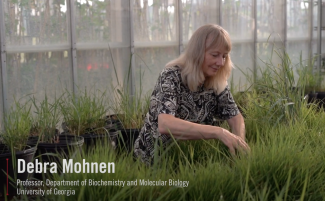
(286, 165)
(17, 125)
(276, 95)
(85, 112)
(312, 80)
(46, 120)
(129, 103)
(130, 109)
(130, 106)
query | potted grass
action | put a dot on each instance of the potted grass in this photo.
(128, 108)
(314, 89)
(84, 115)
(129, 114)
(51, 147)
(13, 146)
(275, 96)
(315, 94)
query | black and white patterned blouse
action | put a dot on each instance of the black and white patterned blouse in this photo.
(171, 96)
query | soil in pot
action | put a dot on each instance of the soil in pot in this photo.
(54, 152)
(27, 155)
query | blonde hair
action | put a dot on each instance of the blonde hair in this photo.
(191, 61)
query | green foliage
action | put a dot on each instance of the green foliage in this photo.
(44, 26)
(276, 95)
(130, 110)
(287, 164)
(17, 125)
(312, 81)
(129, 106)
(94, 20)
(46, 121)
(84, 112)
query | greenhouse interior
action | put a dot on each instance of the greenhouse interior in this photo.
(113, 51)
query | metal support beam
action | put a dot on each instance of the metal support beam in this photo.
(4, 83)
(220, 12)
(310, 42)
(180, 26)
(319, 39)
(132, 49)
(255, 40)
(73, 42)
(285, 31)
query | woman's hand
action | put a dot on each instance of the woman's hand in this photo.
(185, 130)
(233, 142)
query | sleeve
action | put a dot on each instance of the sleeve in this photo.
(164, 99)
(226, 106)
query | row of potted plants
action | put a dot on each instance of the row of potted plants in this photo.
(56, 128)
(13, 145)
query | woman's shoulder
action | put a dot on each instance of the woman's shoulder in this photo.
(173, 71)
(224, 92)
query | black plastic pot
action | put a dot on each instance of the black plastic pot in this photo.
(27, 155)
(321, 98)
(54, 152)
(317, 98)
(126, 138)
(311, 97)
(113, 122)
(91, 139)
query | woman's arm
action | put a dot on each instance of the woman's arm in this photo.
(185, 130)
(237, 125)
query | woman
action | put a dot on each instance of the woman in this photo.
(190, 91)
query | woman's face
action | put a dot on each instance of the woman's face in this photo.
(214, 59)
